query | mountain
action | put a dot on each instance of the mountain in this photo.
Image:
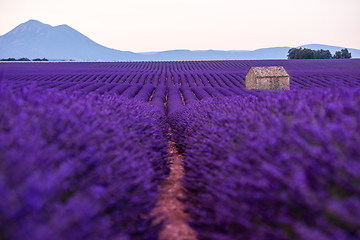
(34, 39)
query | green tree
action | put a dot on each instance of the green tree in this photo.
(308, 53)
(8, 59)
(337, 55)
(323, 54)
(292, 53)
(344, 53)
(40, 59)
(23, 59)
(301, 53)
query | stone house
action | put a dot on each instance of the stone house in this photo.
(273, 78)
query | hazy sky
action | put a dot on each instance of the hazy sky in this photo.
(154, 25)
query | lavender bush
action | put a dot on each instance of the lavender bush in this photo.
(282, 166)
(76, 166)
(1, 74)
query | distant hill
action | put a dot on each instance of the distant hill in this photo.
(266, 53)
(34, 39)
(263, 53)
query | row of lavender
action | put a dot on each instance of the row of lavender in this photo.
(165, 97)
(225, 74)
(185, 66)
(273, 167)
(79, 166)
(189, 79)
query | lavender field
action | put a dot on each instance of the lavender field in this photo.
(84, 148)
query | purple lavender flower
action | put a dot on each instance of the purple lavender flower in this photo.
(79, 166)
(282, 166)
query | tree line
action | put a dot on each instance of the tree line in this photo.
(23, 59)
(306, 53)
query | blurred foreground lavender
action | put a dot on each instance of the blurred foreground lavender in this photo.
(283, 166)
(76, 166)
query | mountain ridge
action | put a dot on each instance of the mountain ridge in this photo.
(34, 39)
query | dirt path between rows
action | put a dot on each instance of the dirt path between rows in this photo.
(176, 227)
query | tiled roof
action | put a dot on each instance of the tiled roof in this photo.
(276, 71)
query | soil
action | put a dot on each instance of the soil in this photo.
(176, 226)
